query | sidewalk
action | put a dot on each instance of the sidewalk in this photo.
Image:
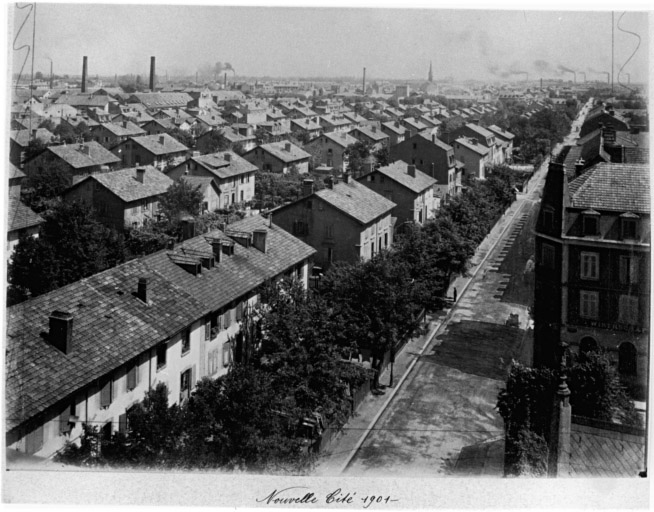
(334, 460)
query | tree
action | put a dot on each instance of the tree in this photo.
(358, 155)
(181, 197)
(182, 137)
(71, 245)
(44, 184)
(214, 142)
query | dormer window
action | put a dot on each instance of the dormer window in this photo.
(629, 226)
(590, 222)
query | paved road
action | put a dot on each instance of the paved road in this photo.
(442, 418)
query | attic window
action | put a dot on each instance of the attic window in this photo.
(629, 228)
(591, 223)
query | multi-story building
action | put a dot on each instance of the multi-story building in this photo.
(410, 189)
(330, 149)
(87, 352)
(156, 150)
(233, 175)
(122, 199)
(346, 221)
(279, 157)
(372, 135)
(111, 134)
(474, 156)
(434, 158)
(592, 266)
(395, 131)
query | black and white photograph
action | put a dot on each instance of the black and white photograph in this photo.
(367, 256)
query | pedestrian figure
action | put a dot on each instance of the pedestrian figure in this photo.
(454, 295)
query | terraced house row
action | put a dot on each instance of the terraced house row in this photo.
(87, 352)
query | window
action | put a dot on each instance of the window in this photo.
(330, 254)
(627, 358)
(628, 310)
(628, 270)
(132, 376)
(106, 394)
(308, 204)
(589, 304)
(591, 225)
(227, 318)
(64, 419)
(185, 385)
(122, 424)
(186, 341)
(214, 361)
(385, 239)
(415, 146)
(629, 229)
(161, 355)
(300, 228)
(589, 265)
(144, 207)
(239, 311)
(227, 354)
(329, 231)
(242, 195)
(381, 179)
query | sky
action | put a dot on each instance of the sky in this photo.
(308, 42)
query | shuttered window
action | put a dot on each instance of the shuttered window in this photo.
(227, 354)
(228, 318)
(122, 424)
(105, 394)
(132, 376)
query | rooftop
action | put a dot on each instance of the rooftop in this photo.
(224, 164)
(468, 143)
(160, 144)
(20, 216)
(399, 172)
(342, 139)
(278, 150)
(124, 129)
(356, 200)
(88, 154)
(612, 187)
(126, 186)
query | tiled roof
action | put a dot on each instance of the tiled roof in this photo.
(342, 139)
(612, 187)
(22, 137)
(111, 325)
(120, 130)
(356, 200)
(20, 216)
(153, 143)
(374, 135)
(477, 148)
(84, 155)
(499, 132)
(483, 132)
(84, 100)
(418, 125)
(395, 127)
(599, 452)
(354, 117)
(198, 181)
(335, 119)
(434, 140)
(162, 99)
(278, 150)
(222, 168)
(211, 119)
(76, 121)
(305, 124)
(305, 111)
(398, 172)
(124, 184)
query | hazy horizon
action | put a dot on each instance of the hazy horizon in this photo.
(311, 42)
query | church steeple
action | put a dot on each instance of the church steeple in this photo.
(431, 75)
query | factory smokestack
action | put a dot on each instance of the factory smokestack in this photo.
(364, 81)
(152, 72)
(225, 82)
(84, 71)
(575, 75)
(51, 76)
(541, 83)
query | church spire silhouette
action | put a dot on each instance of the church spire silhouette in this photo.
(431, 75)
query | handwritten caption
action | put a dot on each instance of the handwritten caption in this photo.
(296, 496)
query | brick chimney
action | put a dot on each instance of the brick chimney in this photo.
(140, 174)
(411, 170)
(287, 147)
(307, 187)
(188, 228)
(217, 249)
(374, 129)
(60, 335)
(228, 157)
(330, 182)
(142, 289)
(162, 140)
(124, 124)
(346, 177)
(259, 239)
(579, 167)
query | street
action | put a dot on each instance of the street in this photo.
(442, 419)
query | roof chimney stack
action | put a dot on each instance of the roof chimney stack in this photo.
(84, 72)
(287, 147)
(152, 72)
(579, 167)
(188, 227)
(217, 249)
(411, 170)
(140, 174)
(346, 177)
(61, 331)
(228, 157)
(307, 187)
(142, 289)
(330, 182)
(162, 140)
